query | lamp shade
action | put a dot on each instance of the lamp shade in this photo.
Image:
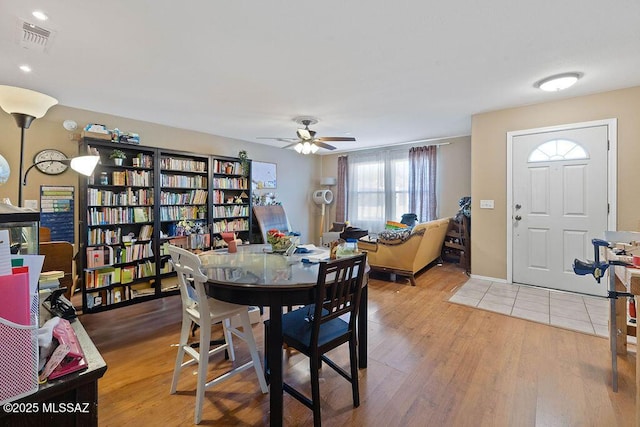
(25, 101)
(84, 164)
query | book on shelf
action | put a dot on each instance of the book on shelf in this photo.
(145, 232)
(140, 215)
(99, 256)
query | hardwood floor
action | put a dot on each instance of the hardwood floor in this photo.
(431, 363)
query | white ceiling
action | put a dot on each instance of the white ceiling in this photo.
(384, 72)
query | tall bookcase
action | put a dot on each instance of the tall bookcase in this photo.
(231, 200)
(130, 213)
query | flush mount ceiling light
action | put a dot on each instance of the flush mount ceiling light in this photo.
(558, 82)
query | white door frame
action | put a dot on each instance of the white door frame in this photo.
(612, 165)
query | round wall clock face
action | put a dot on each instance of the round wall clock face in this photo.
(50, 162)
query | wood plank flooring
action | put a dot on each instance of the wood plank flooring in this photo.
(431, 363)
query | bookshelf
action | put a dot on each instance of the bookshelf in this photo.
(231, 200)
(184, 214)
(117, 223)
(130, 213)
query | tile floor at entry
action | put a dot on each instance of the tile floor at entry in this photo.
(566, 310)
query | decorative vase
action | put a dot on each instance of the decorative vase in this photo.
(117, 162)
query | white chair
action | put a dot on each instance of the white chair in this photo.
(205, 311)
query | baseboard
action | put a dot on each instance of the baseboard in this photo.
(492, 279)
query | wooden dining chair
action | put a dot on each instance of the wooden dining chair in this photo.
(317, 328)
(198, 308)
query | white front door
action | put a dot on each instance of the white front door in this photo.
(560, 203)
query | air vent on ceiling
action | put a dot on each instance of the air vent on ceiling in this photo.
(33, 36)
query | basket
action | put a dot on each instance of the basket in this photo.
(19, 356)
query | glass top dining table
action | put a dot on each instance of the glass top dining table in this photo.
(254, 276)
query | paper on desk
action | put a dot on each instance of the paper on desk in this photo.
(34, 262)
(5, 253)
(309, 247)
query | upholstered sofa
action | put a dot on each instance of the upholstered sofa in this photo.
(406, 255)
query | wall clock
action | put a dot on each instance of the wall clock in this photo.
(51, 159)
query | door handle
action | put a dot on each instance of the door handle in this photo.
(518, 217)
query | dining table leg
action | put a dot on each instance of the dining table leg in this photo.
(362, 328)
(274, 350)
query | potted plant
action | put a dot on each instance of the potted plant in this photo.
(202, 211)
(118, 156)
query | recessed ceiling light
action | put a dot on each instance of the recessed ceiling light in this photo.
(38, 14)
(558, 82)
(25, 68)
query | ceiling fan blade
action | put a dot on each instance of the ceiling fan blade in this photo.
(336, 138)
(323, 145)
(290, 145)
(277, 139)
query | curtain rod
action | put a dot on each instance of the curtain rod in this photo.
(390, 147)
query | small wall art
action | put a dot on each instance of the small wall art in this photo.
(263, 175)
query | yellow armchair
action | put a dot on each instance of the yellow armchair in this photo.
(408, 257)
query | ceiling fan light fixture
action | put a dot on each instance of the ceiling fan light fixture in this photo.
(558, 82)
(306, 148)
(298, 147)
(314, 148)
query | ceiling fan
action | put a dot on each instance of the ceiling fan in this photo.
(307, 142)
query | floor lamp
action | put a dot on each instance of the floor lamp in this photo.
(24, 105)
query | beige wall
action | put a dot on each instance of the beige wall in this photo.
(488, 165)
(296, 174)
(453, 173)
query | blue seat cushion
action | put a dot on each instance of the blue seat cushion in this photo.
(296, 329)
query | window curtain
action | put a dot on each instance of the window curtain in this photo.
(366, 197)
(422, 182)
(341, 189)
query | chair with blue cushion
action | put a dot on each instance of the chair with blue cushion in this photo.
(315, 329)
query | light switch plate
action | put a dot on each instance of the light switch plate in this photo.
(486, 204)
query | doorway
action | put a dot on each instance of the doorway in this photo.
(560, 195)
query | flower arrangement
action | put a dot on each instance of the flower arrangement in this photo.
(279, 241)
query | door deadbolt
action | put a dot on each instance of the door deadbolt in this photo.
(518, 206)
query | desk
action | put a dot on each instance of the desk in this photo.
(251, 277)
(78, 388)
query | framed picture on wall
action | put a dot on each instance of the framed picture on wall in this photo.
(263, 175)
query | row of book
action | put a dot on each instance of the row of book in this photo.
(177, 213)
(182, 181)
(233, 210)
(119, 215)
(229, 168)
(144, 160)
(193, 197)
(230, 183)
(132, 178)
(191, 242)
(100, 256)
(239, 224)
(101, 236)
(109, 276)
(182, 164)
(107, 297)
(130, 196)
